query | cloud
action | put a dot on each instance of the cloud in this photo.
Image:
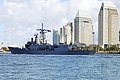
(19, 19)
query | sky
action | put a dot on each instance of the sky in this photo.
(19, 19)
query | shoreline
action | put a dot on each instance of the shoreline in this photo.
(5, 52)
(108, 52)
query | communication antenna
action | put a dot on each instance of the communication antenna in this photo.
(42, 33)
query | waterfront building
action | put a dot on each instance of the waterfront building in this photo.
(61, 35)
(83, 30)
(66, 33)
(56, 37)
(108, 25)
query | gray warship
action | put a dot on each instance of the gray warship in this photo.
(43, 48)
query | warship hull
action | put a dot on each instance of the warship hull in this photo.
(16, 50)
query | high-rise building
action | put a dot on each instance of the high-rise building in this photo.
(66, 33)
(83, 30)
(56, 37)
(108, 25)
(61, 35)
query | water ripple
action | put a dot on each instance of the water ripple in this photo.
(37, 67)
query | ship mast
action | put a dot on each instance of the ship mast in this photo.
(42, 33)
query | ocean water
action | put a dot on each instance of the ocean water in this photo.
(37, 67)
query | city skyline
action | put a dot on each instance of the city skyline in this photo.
(21, 18)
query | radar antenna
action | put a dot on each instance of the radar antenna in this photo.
(42, 33)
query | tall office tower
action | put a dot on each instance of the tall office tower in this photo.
(108, 25)
(83, 30)
(66, 33)
(56, 37)
(61, 35)
(68, 29)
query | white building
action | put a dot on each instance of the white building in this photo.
(66, 33)
(108, 25)
(83, 30)
(61, 35)
(56, 37)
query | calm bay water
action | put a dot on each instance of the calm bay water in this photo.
(37, 67)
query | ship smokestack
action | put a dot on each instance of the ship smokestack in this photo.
(32, 40)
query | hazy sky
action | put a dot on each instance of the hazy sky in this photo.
(19, 19)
